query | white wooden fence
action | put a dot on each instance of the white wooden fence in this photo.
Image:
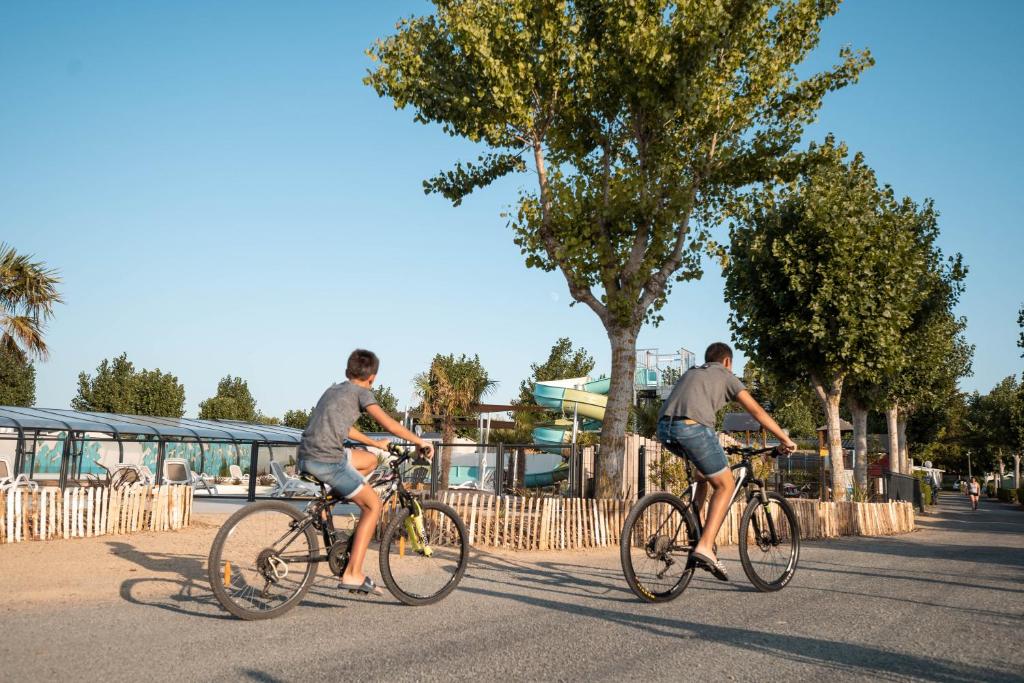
(50, 513)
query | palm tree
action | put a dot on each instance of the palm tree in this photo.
(28, 292)
(449, 389)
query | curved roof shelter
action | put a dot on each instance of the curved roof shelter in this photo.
(157, 428)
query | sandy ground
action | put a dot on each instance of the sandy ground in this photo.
(77, 571)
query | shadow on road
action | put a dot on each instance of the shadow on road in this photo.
(185, 588)
(841, 657)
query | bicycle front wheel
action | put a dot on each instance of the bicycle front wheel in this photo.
(769, 542)
(655, 546)
(262, 561)
(421, 565)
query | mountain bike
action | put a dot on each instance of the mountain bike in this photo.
(264, 559)
(662, 530)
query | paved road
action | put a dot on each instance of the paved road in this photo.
(941, 604)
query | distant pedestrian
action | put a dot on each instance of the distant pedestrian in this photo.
(974, 490)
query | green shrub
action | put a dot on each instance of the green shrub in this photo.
(1007, 495)
(926, 488)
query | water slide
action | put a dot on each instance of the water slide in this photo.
(579, 396)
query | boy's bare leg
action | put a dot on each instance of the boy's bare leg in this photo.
(723, 485)
(369, 506)
(701, 494)
(364, 461)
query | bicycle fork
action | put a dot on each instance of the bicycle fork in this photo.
(415, 531)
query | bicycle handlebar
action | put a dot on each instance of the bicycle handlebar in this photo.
(774, 451)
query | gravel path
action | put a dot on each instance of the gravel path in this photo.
(944, 604)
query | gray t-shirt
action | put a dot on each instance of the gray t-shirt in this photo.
(338, 409)
(701, 392)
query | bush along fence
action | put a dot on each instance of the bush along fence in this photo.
(49, 514)
(533, 523)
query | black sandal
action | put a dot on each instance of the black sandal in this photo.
(367, 587)
(715, 567)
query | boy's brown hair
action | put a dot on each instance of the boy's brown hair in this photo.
(362, 364)
(717, 353)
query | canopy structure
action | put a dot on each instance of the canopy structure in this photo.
(57, 420)
(58, 446)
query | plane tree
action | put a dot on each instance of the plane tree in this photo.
(638, 122)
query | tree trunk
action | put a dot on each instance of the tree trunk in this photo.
(610, 458)
(860, 444)
(1016, 471)
(830, 396)
(448, 436)
(891, 420)
(901, 441)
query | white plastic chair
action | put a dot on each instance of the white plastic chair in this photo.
(288, 486)
(177, 471)
(236, 473)
(9, 483)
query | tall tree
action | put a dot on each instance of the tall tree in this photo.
(996, 423)
(1020, 323)
(387, 400)
(297, 419)
(819, 279)
(28, 293)
(448, 389)
(792, 403)
(233, 401)
(117, 387)
(17, 379)
(640, 121)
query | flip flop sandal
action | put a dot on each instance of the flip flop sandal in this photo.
(367, 587)
(715, 567)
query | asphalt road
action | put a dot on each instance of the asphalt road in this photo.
(943, 604)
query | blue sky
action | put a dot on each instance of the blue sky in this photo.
(222, 194)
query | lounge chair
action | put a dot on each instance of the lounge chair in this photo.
(7, 482)
(236, 473)
(177, 471)
(11, 482)
(287, 487)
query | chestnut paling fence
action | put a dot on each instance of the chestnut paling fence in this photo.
(50, 513)
(534, 523)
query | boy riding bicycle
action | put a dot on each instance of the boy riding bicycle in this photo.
(322, 453)
(686, 426)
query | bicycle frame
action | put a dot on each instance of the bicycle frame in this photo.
(743, 474)
(319, 514)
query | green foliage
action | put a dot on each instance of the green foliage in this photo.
(792, 403)
(296, 418)
(387, 400)
(449, 388)
(640, 122)
(563, 362)
(645, 418)
(669, 473)
(28, 293)
(1007, 495)
(118, 387)
(823, 271)
(233, 401)
(17, 379)
(926, 488)
(1020, 322)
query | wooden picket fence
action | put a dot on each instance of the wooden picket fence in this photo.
(50, 513)
(534, 523)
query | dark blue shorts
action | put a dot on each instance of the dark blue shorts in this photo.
(697, 443)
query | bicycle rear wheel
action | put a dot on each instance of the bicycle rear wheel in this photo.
(769, 562)
(656, 541)
(260, 564)
(422, 567)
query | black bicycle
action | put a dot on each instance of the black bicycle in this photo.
(265, 557)
(662, 530)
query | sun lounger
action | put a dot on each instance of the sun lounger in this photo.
(287, 487)
(8, 482)
(177, 471)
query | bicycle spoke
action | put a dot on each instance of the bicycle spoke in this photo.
(770, 545)
(659, 549)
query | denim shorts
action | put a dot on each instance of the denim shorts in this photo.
(697, 443)
(340, 476)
